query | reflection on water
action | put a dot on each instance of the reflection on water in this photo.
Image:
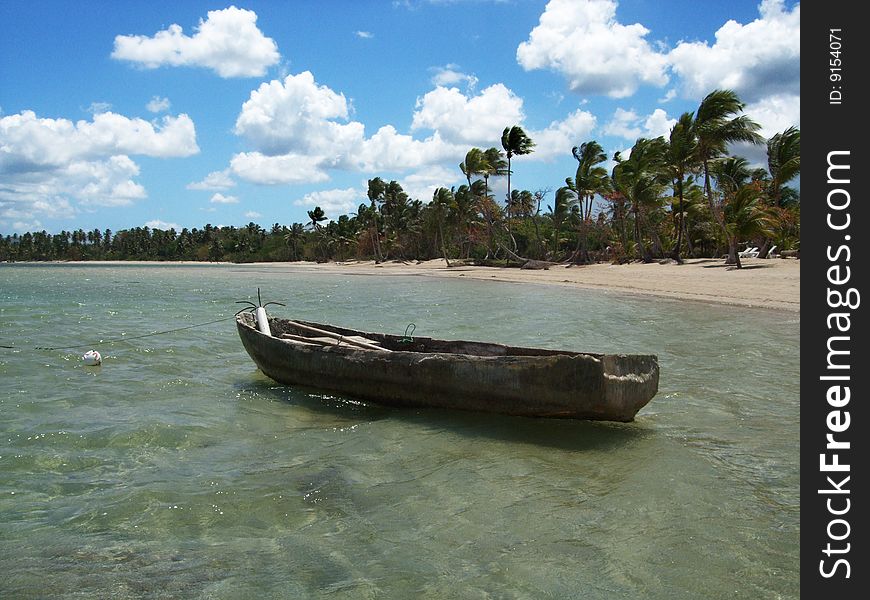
(177, 470)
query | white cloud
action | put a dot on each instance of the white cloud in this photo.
(216, 180)
(47, 163)
(388, 150)
(624, 124)
(158, 104)
(756, 60)
(334, 202)
(297, 115)
(252, 214)
(99, 107)
(158, 224)
(775, 113)
(366, 35)
(228, 42)
(629, 125)
(300, 131)
(463, 119)
(451, 75)
(669, 95)
(559, 137)
(219, 198)
(274, 170)
(582, 40)
(33, 143)
(422, 184)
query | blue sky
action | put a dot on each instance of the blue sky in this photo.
(180, 114)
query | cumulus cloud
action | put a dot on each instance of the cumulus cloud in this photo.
(333, 202)
(366, 35)
(228, 42)
(46, 163)
(31, 143)
(583, 40)
(158, 104)
(629, 125)
(775, 113)
(252, 214)
(216, 180)
(756, 60)
(450, 74)
(464, 119)
(559, 137)
(219, 198)
(296, 115)
(300, 131)
(158, 224)
(422, 184)
(257, 167)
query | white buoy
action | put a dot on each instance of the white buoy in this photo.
(92, 358)
(263, 321)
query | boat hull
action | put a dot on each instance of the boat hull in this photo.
(536, 382)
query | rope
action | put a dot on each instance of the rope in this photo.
(409, 331)
(125, 339)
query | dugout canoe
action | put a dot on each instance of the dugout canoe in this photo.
(425, 372)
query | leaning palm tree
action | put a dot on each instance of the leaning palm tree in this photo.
(442, 200)
(515, 143)
(494, 165)
(679, 161)
(559, 213)
(640, 179)
(474, 164)
(717, 125)
(783, 161)
(589, 180)
(745, 214)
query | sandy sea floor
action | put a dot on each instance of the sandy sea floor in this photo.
(762, 283)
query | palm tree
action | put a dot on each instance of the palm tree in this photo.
(515, 142)
(494, 165)
(679, 161)
(717, 125)
(474, 164)
(375, 193)
(559, 213)
(293, 236)
(745, 215)
(442, 200)
(640, 180)
(589, 180)
(317, 216)
(783, 161)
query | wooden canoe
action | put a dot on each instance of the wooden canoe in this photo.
(477, 376)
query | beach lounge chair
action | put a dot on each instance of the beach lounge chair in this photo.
(771, 251)
(749, 253)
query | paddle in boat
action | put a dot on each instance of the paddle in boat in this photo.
(425, 372)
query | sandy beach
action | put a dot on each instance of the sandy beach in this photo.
(772, 283)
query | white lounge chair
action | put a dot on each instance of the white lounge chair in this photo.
(749, 253)
(771, 251)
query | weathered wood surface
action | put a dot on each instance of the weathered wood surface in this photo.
(460, 375)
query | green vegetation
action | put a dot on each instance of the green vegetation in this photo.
(675, 197)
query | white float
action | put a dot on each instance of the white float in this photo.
(92, 358)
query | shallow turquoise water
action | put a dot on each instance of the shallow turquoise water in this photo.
(176, 470)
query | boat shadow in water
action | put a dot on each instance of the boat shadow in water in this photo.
(562, 434)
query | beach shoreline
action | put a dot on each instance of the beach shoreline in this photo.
(761, 283)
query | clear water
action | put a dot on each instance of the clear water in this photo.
(177, 470)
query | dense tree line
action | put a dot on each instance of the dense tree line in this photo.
(679, 196)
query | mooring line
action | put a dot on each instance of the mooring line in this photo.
(122, 339)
